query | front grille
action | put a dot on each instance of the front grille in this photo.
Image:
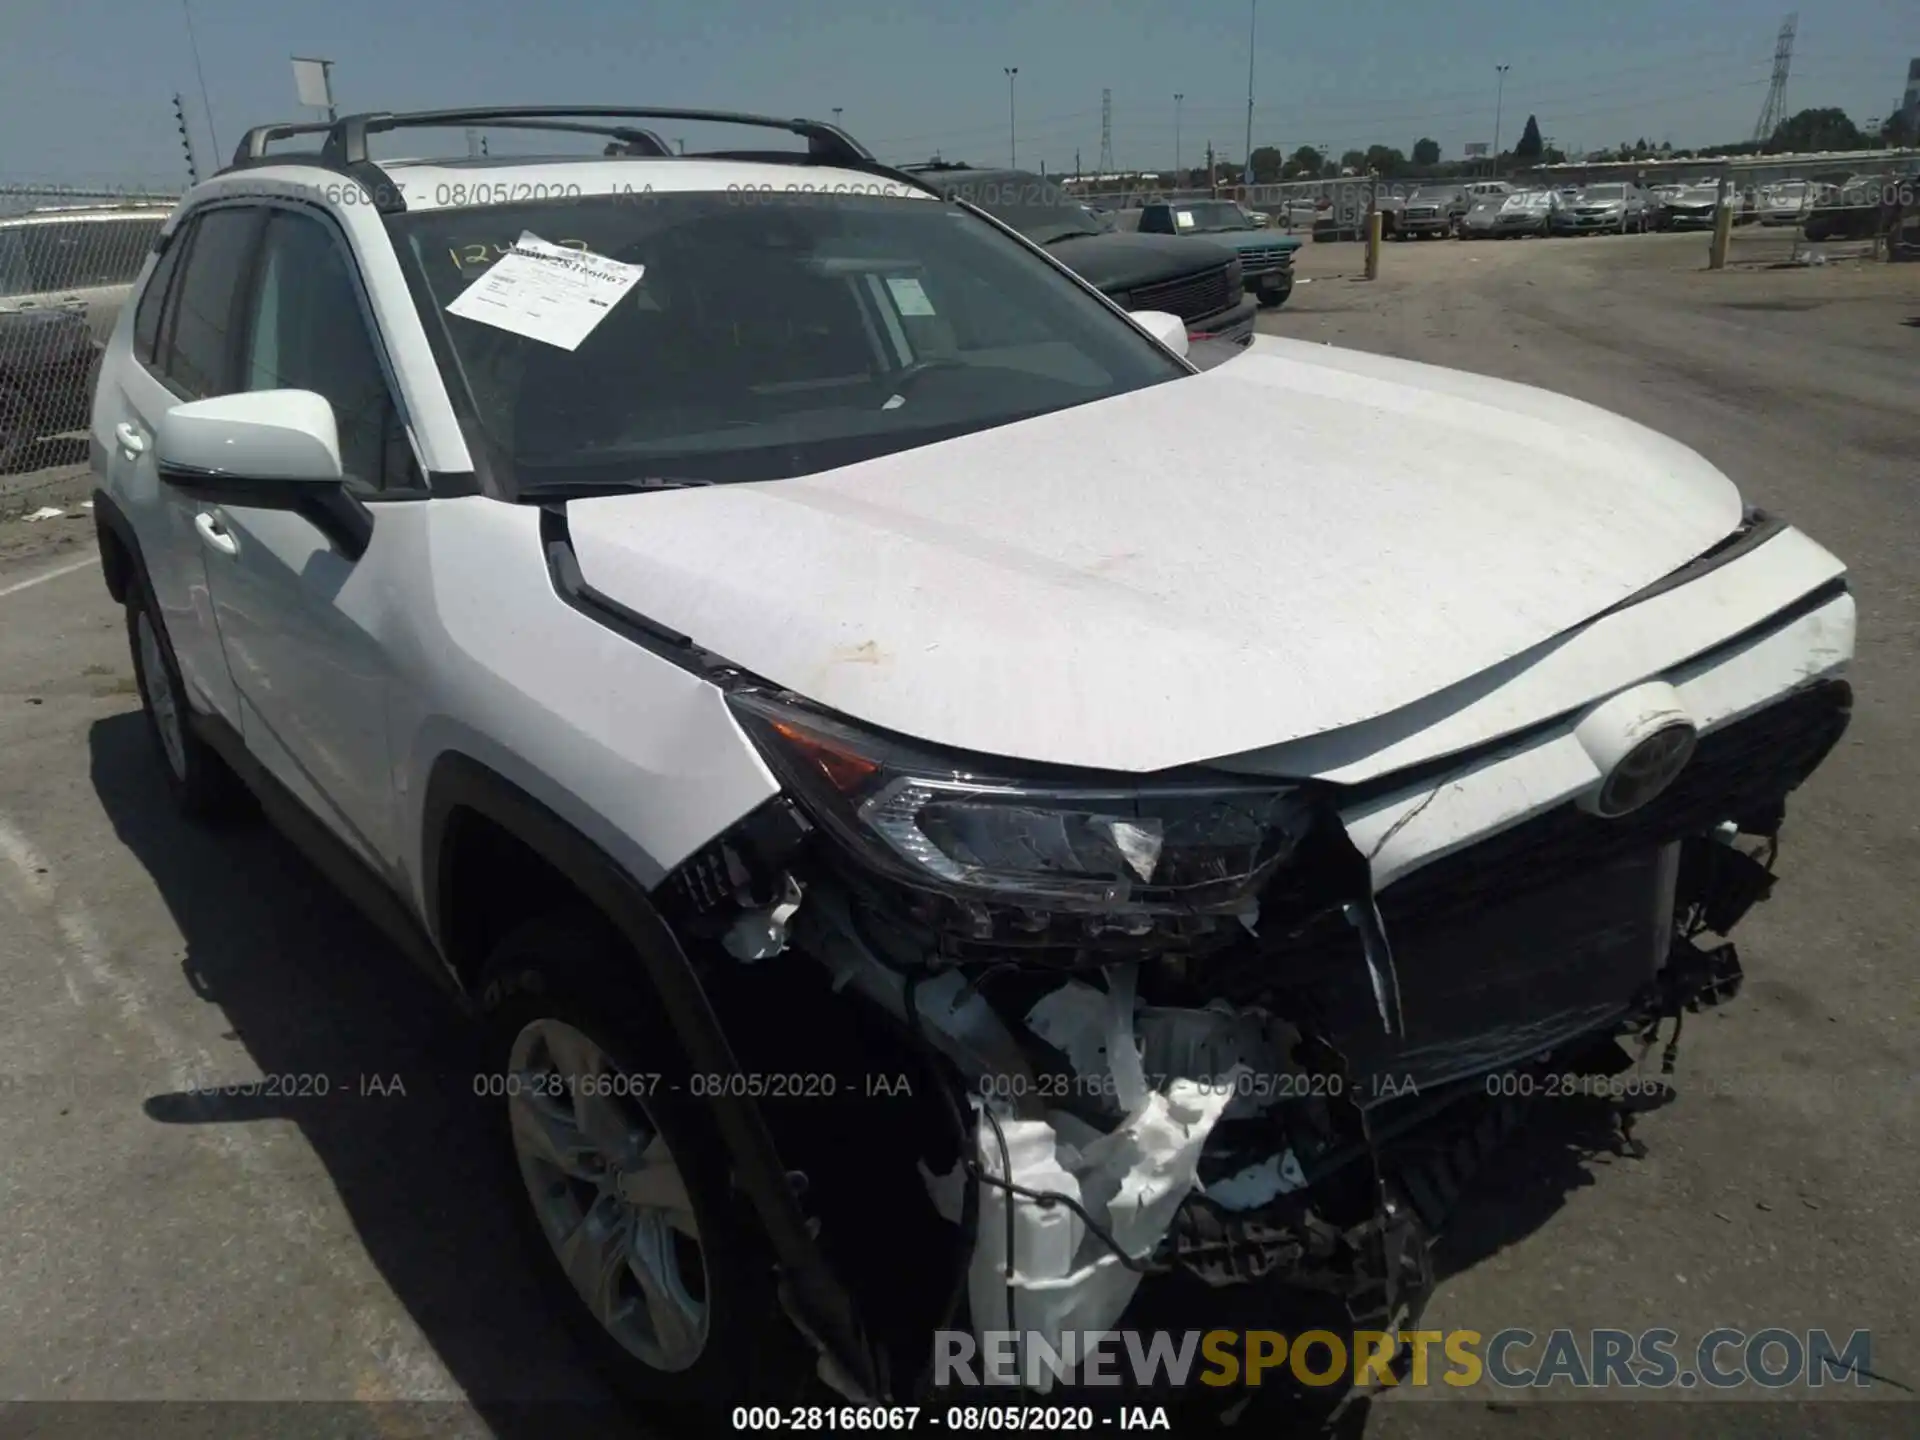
(1190, 297)
(1255, 260)
(1737, 773)
(1422, 212)
(1543, 932)
(1742, 773)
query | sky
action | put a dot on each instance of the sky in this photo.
(86, 86)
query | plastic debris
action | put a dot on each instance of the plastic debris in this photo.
(45, 512)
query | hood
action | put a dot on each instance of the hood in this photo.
(1123, 260)
(1074, 589)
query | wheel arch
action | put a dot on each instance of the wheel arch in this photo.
(120, 561)
(467, 804)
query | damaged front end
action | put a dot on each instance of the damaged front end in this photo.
(1178, 1063)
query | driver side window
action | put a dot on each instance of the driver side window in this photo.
(306, 331)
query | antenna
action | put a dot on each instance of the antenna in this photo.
(1775, 110)
(1107, 167)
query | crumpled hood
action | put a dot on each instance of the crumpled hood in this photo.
(1088, 588)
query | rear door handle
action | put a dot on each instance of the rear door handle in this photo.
(215, 534)
(131, 440)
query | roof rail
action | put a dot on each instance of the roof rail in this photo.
(345, 148)
(348, 137)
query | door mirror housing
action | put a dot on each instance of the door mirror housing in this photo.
(262, 439)
(1169, 329)
(265, 450)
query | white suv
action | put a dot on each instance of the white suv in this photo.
(929, 856)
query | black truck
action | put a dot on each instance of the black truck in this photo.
(1197, 280)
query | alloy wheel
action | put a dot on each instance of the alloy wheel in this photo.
(608, 1194)
(157, 683)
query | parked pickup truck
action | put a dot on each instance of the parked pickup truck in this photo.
(1266, 259)
(1197, 283)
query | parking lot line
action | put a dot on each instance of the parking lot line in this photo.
(44, 576)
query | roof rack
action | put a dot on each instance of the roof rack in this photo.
(345, 148)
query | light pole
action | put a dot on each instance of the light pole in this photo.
(1499, 94)
(1176, 138)
(836, 115)
(1013, 161)
(1253, 13)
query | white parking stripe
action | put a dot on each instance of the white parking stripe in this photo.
(41, 579)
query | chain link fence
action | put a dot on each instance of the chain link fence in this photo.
(1825, 220)
(68, 258)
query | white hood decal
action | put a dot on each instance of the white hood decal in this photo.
(1295, 541)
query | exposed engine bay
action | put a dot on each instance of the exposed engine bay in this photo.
(1163, 1115)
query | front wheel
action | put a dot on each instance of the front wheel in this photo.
(621, 1184)
(1274, 299)
(202, 786)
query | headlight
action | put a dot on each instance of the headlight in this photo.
(1236, 276)
(1060, 843)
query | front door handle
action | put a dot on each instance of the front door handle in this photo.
(131, 440)
(215, 534)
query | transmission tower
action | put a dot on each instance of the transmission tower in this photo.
(1775, 110)
(1107, 167)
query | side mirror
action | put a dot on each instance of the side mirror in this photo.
(263, 440)
(267, 450)
(1169, 329)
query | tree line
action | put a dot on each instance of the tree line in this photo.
(1828, 128)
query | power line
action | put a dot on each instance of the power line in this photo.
(205, 103)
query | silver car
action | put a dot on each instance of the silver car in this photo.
(76, 258)
(1501, 217)
(64, 275)
(1615, 208)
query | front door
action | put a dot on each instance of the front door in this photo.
(304, 626)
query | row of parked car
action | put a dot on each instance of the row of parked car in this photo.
(64, 274)
(1858, 208)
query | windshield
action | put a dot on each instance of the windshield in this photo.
(760, 340)
(1604, 192)
(1210, 216)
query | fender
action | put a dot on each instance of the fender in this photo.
(825, 1308)
(119, 552)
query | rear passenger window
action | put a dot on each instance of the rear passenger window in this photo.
(198, 342)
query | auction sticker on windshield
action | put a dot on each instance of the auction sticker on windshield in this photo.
(909, 295)
(547, 292)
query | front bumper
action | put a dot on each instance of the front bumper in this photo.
(1425, 224)
(1276, 281)
(1576, 224)
(1233, 325)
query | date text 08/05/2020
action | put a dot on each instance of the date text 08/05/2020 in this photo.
(957, 1419)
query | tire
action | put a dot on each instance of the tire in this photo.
(568, 978)
(1274, 299)
(204, 788)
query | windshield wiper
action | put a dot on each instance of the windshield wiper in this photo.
(587, 489)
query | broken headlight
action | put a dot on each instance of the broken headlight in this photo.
(985, 832)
